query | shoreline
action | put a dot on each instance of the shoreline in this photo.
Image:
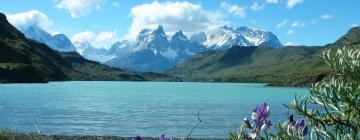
(7, 135)
(265, 84)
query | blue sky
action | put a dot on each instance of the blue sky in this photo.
(103, 22)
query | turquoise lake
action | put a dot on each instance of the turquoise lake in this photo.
(137, 108)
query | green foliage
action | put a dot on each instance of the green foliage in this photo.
(333, 107)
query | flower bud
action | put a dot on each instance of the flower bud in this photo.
(264, 127)
(254, 116)
(268, 110)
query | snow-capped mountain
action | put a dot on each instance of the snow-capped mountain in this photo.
(156, 40)
(258, 37)
(150, 52)
(154, 50)
(90, 52)
(57, 42)
(226, 37)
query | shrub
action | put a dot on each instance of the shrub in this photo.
(331, 111)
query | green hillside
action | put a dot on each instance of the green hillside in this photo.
(255, 64)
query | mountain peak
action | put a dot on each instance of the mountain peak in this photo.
(179, 35)
(159, 30)
(227, 27)
(199, 37)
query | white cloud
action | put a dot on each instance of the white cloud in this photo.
(354, 25)
(290, 32)
(174, 16)
(105, 36)
(257, 6)
(233, 9)
(282, 24)
(98, 40)
(83, 36)
(79, 8)
(292, 3)
(31, 18)
(298, 24)
(326, 16)
(272, 1)
(290, 43)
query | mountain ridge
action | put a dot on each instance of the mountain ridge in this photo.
(24, 60)
(179, 47)
(58, 42)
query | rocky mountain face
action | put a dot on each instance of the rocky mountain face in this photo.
(154, 51)
(58, 42)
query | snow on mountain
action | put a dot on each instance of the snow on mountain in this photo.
(259, 37)
(150, 52)
(226, 37)
(57, 42)
(155, 40)
(121, 48)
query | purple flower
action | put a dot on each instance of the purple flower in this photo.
(300, 123)
(162, 137)
(260, 115)
(305, 131)
(297, 128)
(136, 138)
(262, 111)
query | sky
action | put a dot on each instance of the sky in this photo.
(104, 22)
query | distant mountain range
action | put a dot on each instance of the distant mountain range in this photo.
(24, 60)
(154, 51)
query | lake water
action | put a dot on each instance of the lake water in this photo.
(137, 108)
